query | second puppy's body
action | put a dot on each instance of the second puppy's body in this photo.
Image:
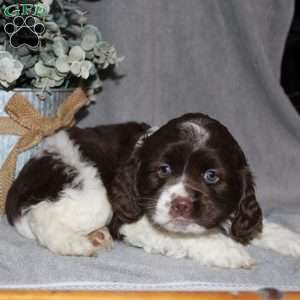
(186, 191)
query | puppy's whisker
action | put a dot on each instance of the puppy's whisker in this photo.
(151, 207)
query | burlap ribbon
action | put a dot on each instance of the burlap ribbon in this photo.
(32, 127)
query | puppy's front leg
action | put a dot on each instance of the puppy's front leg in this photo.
(212, 249)
(279, 239)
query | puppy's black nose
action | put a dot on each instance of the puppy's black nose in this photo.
(181, 207)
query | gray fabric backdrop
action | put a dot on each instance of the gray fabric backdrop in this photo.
(215, 56)
(219, 57)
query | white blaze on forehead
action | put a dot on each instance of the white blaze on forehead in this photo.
(198, 133)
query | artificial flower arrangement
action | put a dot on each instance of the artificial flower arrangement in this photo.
(71, 52)
(61, 52)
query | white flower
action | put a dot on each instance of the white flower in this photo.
(10, 69)
(81, 68)
(75, 63)
(47, 4)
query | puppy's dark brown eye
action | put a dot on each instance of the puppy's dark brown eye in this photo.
(164, 170)
(210, 176)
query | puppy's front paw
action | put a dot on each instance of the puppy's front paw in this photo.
(232, 257)
(235, 259)
(101, 238)
(279, 239)
(289, 245)
(292, 248)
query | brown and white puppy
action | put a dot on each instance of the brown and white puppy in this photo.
(184, 191)
(188, 177)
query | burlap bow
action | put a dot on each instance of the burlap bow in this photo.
(32, 127)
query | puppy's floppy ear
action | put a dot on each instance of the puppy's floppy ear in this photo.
(247, 219)
(123, 196)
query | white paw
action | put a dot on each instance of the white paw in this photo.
(101, 238)
(77, 245)
(279, 239)
(290, 246)
(231, 257)
(73, 245)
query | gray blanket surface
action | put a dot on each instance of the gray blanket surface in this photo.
(24, 264)
(218, 57)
